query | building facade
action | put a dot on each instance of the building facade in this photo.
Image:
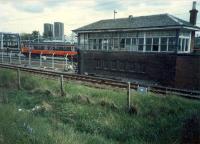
(155, 33)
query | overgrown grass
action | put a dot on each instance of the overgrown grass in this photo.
(90, 115)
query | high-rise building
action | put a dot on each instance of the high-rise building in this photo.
(59, 31)
(48, 31)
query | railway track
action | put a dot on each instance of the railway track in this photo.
(115, 83)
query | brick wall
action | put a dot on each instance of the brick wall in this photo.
(181, 71)
(188, 72)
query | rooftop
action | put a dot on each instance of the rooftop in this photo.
(141, 22)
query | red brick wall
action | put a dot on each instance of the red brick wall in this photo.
(188, 72)
(173, 70)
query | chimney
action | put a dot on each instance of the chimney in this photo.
(193, 20)
(193, 14)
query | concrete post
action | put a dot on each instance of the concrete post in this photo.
(61, 85)
(18, 78)
(72, 61)
(29, 60)
(20, 62)
(66, 62)
(53, 61)
(40, 60)
(128, 95)
(11, 57)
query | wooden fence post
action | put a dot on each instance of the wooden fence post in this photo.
(18, 79)
(61, 85)
(129, 96)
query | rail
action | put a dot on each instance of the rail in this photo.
(115, 83)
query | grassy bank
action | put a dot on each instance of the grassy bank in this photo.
(38, 114)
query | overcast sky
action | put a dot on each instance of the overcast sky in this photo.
(28, 15)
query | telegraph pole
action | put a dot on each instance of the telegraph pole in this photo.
(115, 12)
(2, 47)
(38, 37)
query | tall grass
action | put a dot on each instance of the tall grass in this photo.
(90, 115)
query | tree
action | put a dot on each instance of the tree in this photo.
(35, 35)
(73, 38)
(25, 36)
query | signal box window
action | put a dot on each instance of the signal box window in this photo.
(105, 44)
(141, 44)
(163, 44)
(116, 43)
(172, 44)
(94, 44)
(122, 43)
(100, 44)
(128, 43)
(148, 44)
(134, 44)
(155, 44)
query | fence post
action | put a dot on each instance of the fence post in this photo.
(2, 59)
(40, 60)
(2, 51)
(72, 61)
(11, 57)
(66, 62)
(53, 61)
(29, 61)
(129, 96)
(20, 62)
(18, 78)
(61, 85)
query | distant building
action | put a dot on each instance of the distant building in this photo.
(48, 31)
(58, 31)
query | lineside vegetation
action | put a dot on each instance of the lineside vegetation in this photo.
(37, 114)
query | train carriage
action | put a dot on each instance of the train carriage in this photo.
(56, 49)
